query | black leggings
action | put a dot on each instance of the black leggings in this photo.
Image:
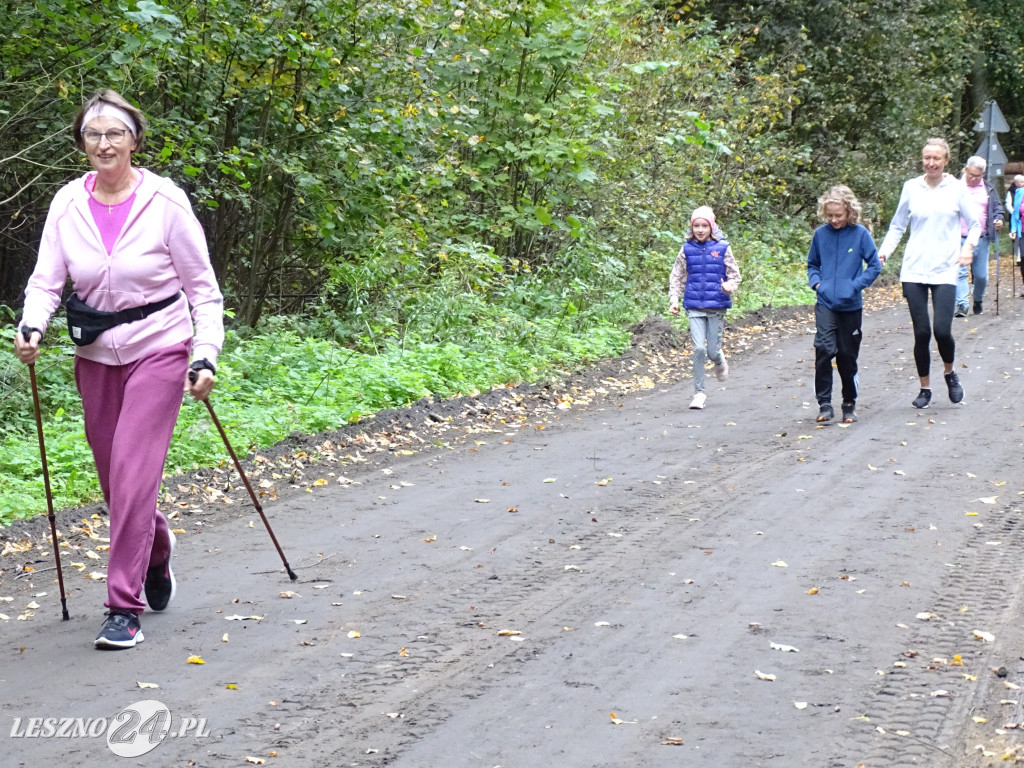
(943, 304)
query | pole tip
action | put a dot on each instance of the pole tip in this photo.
(291, 574)
(67, 616)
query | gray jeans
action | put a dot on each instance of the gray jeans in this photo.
(706, 333)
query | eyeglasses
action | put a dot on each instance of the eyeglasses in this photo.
(114, 136)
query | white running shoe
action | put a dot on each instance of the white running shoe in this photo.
(698, 401)
(722, 369)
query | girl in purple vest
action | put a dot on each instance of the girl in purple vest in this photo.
(705, 275)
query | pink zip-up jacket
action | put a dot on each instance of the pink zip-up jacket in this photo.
(161, 251)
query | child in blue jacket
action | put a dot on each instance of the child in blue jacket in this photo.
(705, 275)
(842, 262)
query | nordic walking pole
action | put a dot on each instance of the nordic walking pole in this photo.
(192, 376)
(26, 333)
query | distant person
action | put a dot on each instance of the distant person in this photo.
(841, 263)
(932, 204)
(129, 240)
(705, 274)
(989, 212)
(1014, 204)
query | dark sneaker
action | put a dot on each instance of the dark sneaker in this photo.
(120, 630)
(825, 413)
(849, 413)
(924, 397)
(956, 391)
(961, 310)
(160, 585)
(977, 307)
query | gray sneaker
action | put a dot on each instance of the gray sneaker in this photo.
(956, 391)
(923, 399)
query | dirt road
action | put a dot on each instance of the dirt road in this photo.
(604, 585)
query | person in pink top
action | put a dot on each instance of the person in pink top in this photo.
(990, 215)
(128, 240)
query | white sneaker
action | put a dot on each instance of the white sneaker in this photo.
(722, 369)
(698, 401)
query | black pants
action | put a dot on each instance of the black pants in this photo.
(943, 304)
(837, 336)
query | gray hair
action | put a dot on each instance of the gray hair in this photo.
(975, 161)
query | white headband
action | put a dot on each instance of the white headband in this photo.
(103, 109)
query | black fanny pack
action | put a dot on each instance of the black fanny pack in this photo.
(85, 324)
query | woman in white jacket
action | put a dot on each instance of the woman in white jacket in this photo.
(932, 206)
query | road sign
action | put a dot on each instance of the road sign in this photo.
(992, 120)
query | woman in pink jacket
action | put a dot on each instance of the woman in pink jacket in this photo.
(128, 239)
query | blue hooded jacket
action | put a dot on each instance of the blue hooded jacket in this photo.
(842, 263)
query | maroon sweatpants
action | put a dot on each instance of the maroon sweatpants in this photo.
(130, 412)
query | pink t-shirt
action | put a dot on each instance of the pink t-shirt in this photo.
(979, 197)
(109, 219)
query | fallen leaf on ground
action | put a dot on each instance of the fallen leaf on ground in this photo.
(289, 594)
(673, 741)
(987, 637)
(800, 704)
(195, 660)
(147, 685)
(780, 564)
(762, 676)
(354, 634)
(784, 648)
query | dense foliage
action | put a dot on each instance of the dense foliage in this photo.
(392, 178)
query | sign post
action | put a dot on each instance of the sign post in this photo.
(991, 123)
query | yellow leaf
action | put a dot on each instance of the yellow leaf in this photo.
(404, 652)
(812, 591)
(289, 594)
(354, 634)
(319, 481)
(231, 686)
(255, 760)
(432, 538)
(972, 514)
(509, 632)
(224, 637)
(195, 660)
